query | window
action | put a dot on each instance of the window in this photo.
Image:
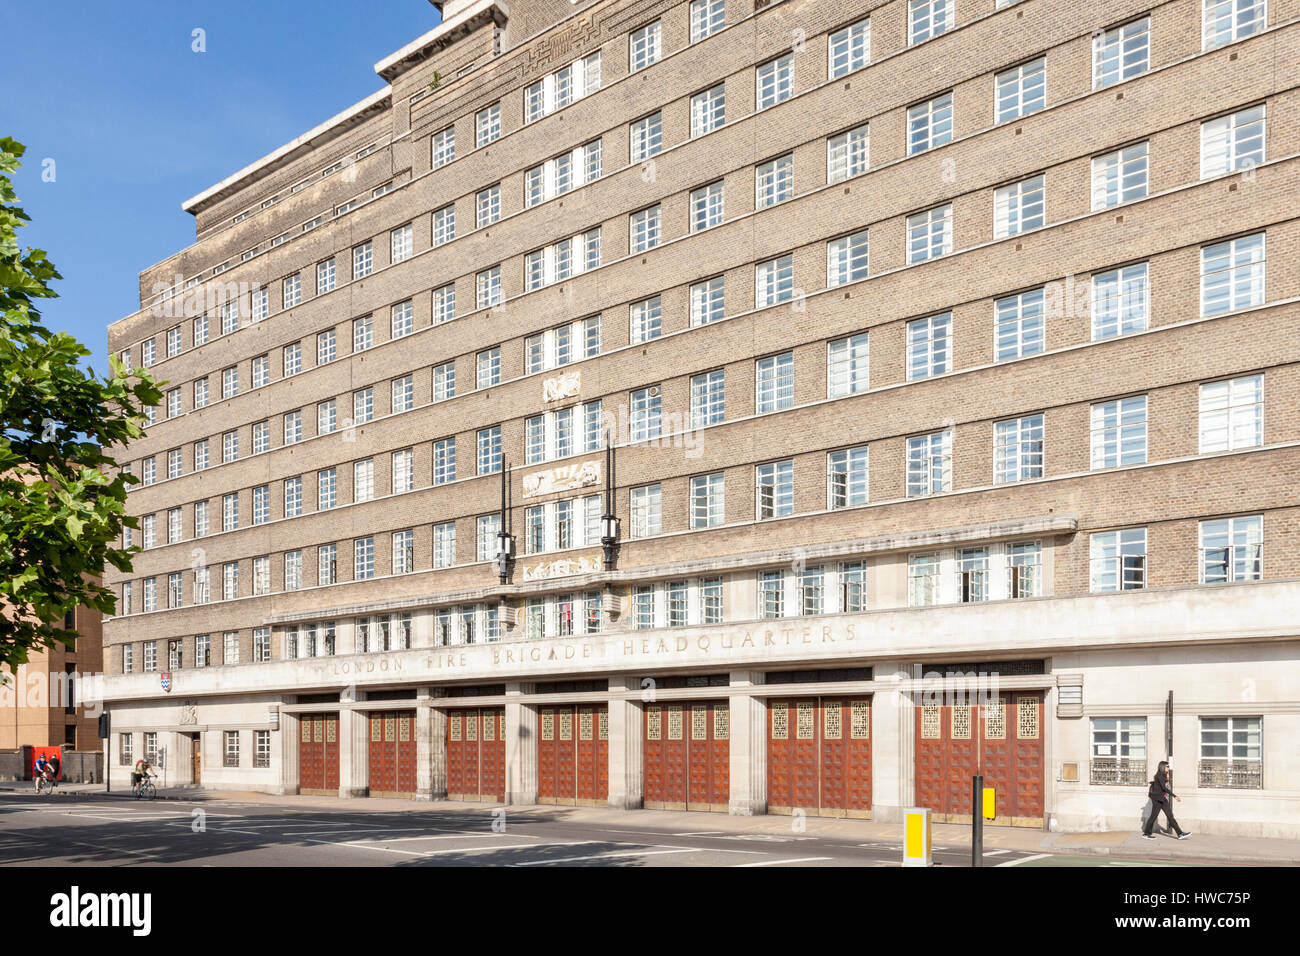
(846, 477)
(972, 566)
(403, 471)
(489, 450)
(847, 154)
(846, 366)
(150, 657)
(173, 525)
(487, 206)
(707, 500)
(402, 319)
(173, 402)
(401, 240)
(292, 497)
(1232, 414)
(489, 526)
(1119, 432)
(444, 461)
(325, 276)
(260, 306)
(647, 511)
(846, 259)
(644, 229)
(363, 550)
(1227, 20)
(646, 319)
(200, 336)
(261, 504)
(1119, 751)
(293, 427)
(174, 341)
(774, 81)
(1119, 177)
(444, 381)
(771, 594)
(646, 137)
(327, 564)
(1230, 751)
(706, 207)
(261, 644)
(261, 575)
(929, 345)
(1121, 53)
(1230, 549)
(488, 287)
(1232, 275)
(149, 468)
(147, 353)
(644, 46)
(708, 399)
(230, 512)
(488, 367)
(775, 383)
(201, 392)
(708, 110)
(292, 360)
(363, 480)
(363, 260)
(148, 534)
(774, 489)
(327, 419)
(1119, 301)
(200, 519)
(326, 347)
(557, 90)
(229, 323)
(928, 18)
(403, 552)
(774, 281)
(230, 581)
(774, 181)
(292, 570)
(444, 544)
(646, 414)
(326, 489)
(707, 18)
(922, 580)
(1019, 325)
(1021, 90)
(929, 124)
(1018, 449)
(1118, 560)
(1024, 569)
(929, 234)
(229, 447)
(442, 147)
(929, 464)
(231, 748)
(1019, 207)
(557, 176)
(487, 125)
(444, 304)
(175, 596)
(849, 49)
(363, 333)
(444, 225)
(261, 371)
(229, 382)
(1232, 142)
(707, 301)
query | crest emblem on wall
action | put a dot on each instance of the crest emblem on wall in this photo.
(166, 682)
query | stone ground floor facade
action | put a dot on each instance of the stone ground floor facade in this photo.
(1065, 705)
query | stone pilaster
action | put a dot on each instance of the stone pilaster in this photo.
(893, 726)
(626, 746)
(289, 734)
(748, 745)
(354, 753)
(521, 746)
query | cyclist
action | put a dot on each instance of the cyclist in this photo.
(42, 771)
(142, 768)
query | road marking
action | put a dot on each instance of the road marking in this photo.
(467, 849)
(611, 856)
(1026, 859)
(802, 859)
(698, 833)
(995, 852)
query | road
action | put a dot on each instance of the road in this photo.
(85, 830)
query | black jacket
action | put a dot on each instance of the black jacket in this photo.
(1159, 789)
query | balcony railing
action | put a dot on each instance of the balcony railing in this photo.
(1117, 772)
(1219, 774)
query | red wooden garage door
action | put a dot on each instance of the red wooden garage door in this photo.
(392, 754)
(318, 754)
(687, 756)
(1003, 740)
(476, 755)
(819, 756)
(573, 754)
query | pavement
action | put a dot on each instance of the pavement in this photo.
(82, 825)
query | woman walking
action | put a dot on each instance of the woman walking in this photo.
(1161, 794)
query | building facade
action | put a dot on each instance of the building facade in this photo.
(41, 705)
(798, 406)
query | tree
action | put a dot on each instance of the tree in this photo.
(62, 500)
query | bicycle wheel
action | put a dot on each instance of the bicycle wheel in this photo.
(147, 791)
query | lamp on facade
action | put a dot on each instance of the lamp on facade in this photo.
(505, 541)
(608, 522)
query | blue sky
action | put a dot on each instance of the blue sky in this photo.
(135, 121)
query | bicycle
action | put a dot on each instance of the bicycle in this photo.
(144, 788)
(44, 786)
